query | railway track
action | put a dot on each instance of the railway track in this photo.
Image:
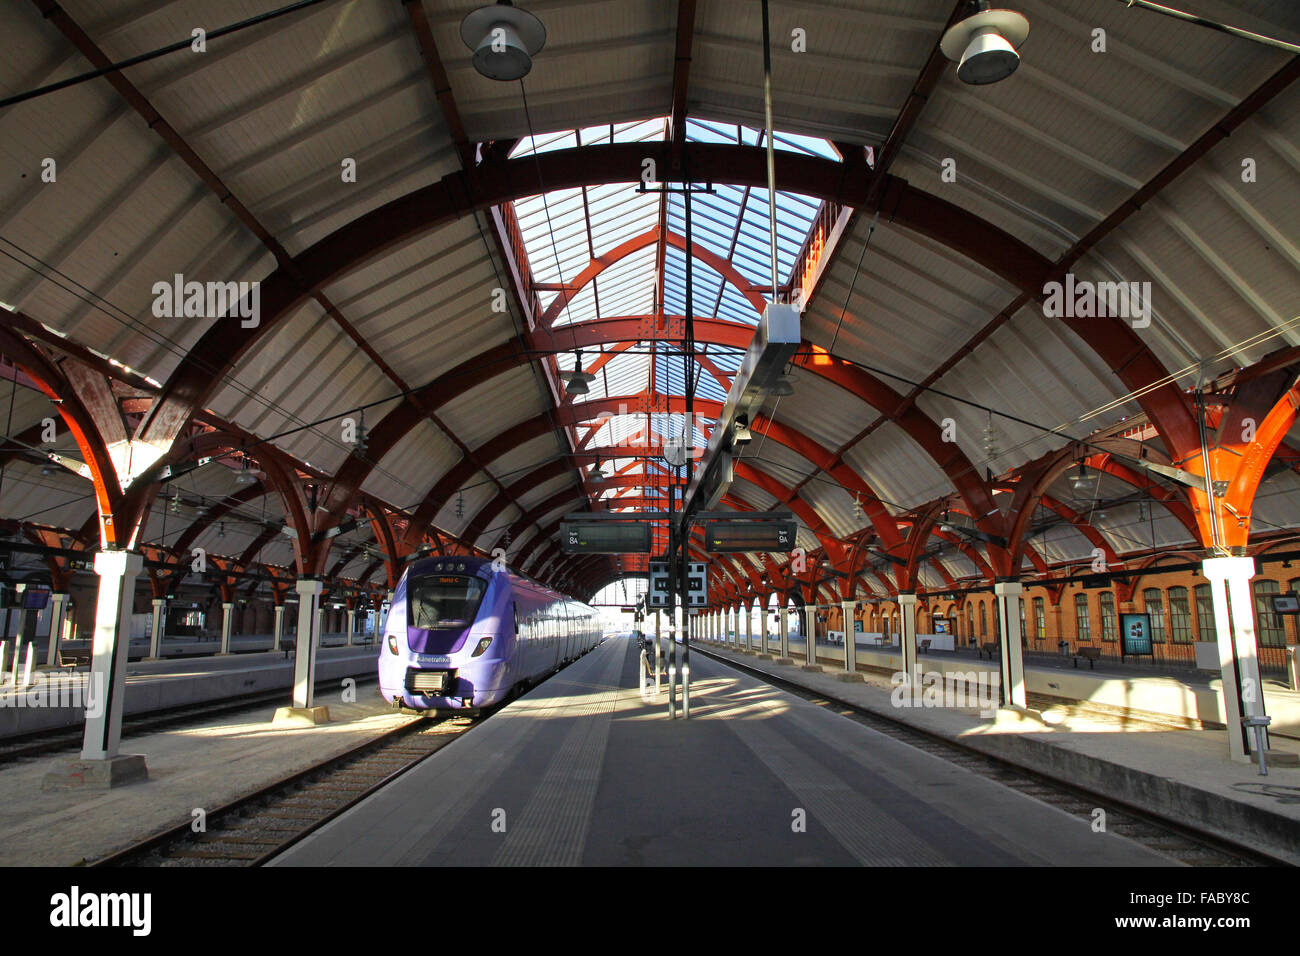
(44, 743)
(1175, 839)
(252, 829)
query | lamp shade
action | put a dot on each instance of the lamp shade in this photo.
(504, 40)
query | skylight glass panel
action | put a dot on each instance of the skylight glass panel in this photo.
(628, 374)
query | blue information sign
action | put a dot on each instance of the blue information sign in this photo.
(1135, 633)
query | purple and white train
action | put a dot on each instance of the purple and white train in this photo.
(461, 636)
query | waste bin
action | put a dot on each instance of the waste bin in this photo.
(1064, 648)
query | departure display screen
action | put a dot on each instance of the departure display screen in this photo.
(605, 537)
(733, 536)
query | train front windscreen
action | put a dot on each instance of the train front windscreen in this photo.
(443, 601)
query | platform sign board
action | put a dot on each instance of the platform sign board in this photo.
(697, 584)
(1288, 603)
(605, 537)
(729, 537)
(657, 595)
(1135, 634)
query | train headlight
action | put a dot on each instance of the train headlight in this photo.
(483, 645)
(392, 643)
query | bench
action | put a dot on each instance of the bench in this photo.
(923, 646)
(1090, 654)
(287, 647)
(990, 648)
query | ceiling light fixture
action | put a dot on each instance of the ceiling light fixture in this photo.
(504, 40)
(781, 387)
(985, 44)
(245, 475)
(1082, 479)
(578, 382)
(740, 434)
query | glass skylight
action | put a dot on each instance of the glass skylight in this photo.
(564, 230)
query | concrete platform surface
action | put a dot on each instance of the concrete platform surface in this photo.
(57, 699)
(583, 771)
(1184, 774)
(203, 766)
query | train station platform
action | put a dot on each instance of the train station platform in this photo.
(1179, 773)
(583, 771)
(57, 698)
(173, 645)
(204, 765)
(1181, 697)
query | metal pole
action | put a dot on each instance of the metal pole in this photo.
(672, 663)
(659, 653)
(1215, 532)
(689, 617)
(771, 148)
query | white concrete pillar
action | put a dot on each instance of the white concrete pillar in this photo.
(810, 632)
(749, 628)
(352, 624)
(319, 627)
(1007, 594)
(907, 635)
(156, 628)
(304, 657)
(847, 609)
(1234, 623)
(277, 629)
(58, 615)
(227, 615)
(783, 627)
(117, 572)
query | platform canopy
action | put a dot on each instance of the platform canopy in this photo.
(432, 249)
